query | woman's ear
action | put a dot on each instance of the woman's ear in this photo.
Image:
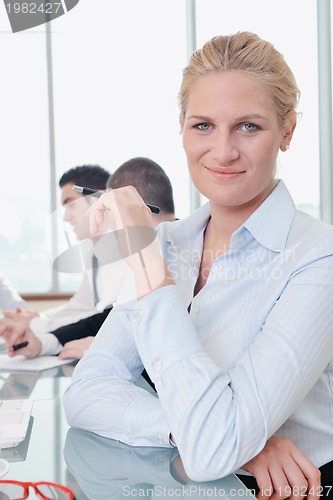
(285, 144)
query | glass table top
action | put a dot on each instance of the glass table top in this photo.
(46, 384)
(95, 468)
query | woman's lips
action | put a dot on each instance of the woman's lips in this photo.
(224, 173)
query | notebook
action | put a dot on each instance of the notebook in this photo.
(18, 453)
(14, 421)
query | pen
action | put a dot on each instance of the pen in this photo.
(93, 192)
(15, 347)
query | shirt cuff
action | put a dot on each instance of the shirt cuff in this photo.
(39, 324)
(156, 330)
(50, 344)
(145, 424)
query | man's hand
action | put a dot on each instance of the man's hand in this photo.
(75, 348)
(33, 348)
(15, 324)
(12, 331)
(20, 314)
(283, 471)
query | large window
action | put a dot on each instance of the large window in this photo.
(24, 158)
(116, 70)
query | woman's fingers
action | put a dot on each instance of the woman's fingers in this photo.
(283, 471)
(118, 209)
(311, 473)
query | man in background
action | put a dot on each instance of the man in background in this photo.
(83, 303)
(72, 339)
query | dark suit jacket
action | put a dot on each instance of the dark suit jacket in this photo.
(85, 327)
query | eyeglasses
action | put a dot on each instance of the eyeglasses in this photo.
(17, 490)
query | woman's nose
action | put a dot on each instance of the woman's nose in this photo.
(224, 148)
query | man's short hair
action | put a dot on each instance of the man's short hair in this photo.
(92, 176)
(148, 178)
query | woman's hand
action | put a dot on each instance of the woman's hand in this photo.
(283, 471)
(124, 212)
(118, 209)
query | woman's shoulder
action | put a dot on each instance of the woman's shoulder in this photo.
(312, 231)
(305, 220)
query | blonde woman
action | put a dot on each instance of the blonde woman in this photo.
(232, 319)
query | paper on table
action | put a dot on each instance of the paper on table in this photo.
(14, 421)
(21, 363)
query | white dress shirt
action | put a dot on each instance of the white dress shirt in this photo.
(252, 359)
(109, 280)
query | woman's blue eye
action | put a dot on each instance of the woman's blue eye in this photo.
(203, 126)
(249, 127)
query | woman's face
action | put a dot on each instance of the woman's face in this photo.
(231, 138)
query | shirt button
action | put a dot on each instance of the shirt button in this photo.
(218, 267)
(130, 435)
(158, 365)
(137, 319)
(195, 309)
(239, 238)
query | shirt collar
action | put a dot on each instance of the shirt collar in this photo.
(269, 224)
(186, 229)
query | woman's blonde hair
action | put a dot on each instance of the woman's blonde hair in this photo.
(245, 51)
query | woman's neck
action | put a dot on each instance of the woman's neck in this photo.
(222, 224)
(225, 220)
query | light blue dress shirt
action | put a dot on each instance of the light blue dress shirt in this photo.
(253, 358)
